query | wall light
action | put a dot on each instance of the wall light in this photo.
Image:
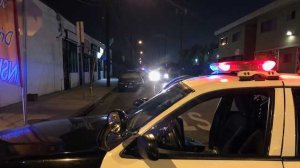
(289, 33)
(99, 54)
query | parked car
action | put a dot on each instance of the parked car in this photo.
(130, 80)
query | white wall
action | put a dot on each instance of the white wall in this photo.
(277, 38)
(44, 53)
(231, 47)
(45, 62)
(74, 79)
(9, 94)
(87, 77)
(96, 76)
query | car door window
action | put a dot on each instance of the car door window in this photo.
(296, 96)
(227, 123)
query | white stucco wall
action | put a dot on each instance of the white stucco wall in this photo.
(44, 53)
(9, 94)
(87, 77)
(231, 48)
(74, 79)
(45, 62)
(278, 38)
(96, 76)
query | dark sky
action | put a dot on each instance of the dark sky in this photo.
(157, 22)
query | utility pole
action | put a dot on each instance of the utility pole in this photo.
(165, 48)
(181, 11)
(24, 64)
(181, 30)
(107, 42)
(80, 40)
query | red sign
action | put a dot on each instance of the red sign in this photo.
(9, 43)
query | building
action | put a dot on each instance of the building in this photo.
(272, 31)
(53, 59)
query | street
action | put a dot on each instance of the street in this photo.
(122, 100)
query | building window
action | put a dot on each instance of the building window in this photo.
(73, 60)
(268, 26)
(236, 36)
(86, 66)
(70, 56)
(223, 41)
(296, 96)
(291, 16)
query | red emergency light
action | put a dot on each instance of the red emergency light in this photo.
(236, 66)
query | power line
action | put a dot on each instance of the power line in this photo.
(91, 2)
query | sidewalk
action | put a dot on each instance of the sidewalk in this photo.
(70, 103)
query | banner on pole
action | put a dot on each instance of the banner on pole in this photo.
(9, 43)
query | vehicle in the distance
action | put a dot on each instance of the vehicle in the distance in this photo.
(130, 80)
(245, 115)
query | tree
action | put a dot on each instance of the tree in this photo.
(198, 57)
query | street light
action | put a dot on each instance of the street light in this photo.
(289, 33)
(141, 52)
(140, 42)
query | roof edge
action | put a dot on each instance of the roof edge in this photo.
(274, 5)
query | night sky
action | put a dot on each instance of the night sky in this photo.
(157, 22)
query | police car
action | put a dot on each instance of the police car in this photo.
(253, 122)
(245, 115)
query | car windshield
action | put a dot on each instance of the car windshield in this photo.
(130, 76)
(155, 106)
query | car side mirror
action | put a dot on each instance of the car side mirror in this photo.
(117, 121)
(139, 102)
(147, 147)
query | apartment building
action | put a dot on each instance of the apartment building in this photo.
(271, 32)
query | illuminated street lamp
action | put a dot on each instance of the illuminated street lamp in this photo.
(140, 42)
(289, 33)
(141, 52)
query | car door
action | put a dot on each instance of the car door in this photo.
(291, 150)
(220, 129)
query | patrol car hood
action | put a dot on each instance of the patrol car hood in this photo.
(66, 136)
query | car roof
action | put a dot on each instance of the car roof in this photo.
(290, 79)
(226, 81)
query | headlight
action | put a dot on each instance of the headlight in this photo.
(154, 76)
(166, 76)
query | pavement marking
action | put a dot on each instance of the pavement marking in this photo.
(195, 116)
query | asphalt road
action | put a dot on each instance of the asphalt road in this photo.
(123, 100)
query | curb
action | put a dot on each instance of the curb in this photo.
(88, 108)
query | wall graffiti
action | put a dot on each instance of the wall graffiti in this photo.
(9, 71)
(9, 47)
(6, 37)
(3, 4)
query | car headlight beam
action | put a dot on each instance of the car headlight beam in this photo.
(166, 76)
(154, 76)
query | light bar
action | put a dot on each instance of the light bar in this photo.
(236, 66)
